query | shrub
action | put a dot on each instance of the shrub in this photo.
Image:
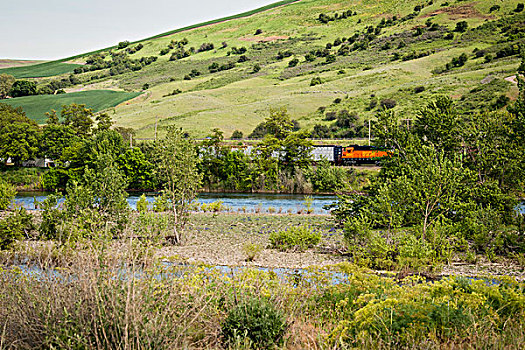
(7, 194)
(298, 237)
(256, 68)
(258, 31)
(294, 62)
(388, 103)
(419, 89)
(123, 44)
(251, 250)
(142, 204)
(15, 227)
(257, 320)
(330, 59)
(461, 27)
(160, 204)
(315, 81)
(519, 7)
(237, 134)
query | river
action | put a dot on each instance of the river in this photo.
(237, 202)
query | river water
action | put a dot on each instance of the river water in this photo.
(237, 202)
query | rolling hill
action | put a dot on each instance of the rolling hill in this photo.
(317, 58)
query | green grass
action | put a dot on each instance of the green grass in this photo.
(47, 69)
(36, 106)
(238, 100)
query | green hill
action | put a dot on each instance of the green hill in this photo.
(36, 106)
(318, 58)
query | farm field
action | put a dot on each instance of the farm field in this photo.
(46, 69)
(37, 106)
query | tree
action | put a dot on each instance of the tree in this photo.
(278, 123)
(137, 169)
(176, 167)
(6, 83)
(52, 118)
(78, 117)
(461, 27)
(438, 124)
(56, 138)
(23, 88)
(104, 122)
(7, 194)
(19, 142)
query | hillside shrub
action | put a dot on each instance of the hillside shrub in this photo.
(461, 27)
(316, 81)
(298, 238)
(237, 135)
(294, 62)
(388, 103)
(257, 320)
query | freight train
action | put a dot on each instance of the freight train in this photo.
(340, 155)
(349, 155)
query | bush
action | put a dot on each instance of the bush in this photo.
(315, 81)
(237, 134)
(7, 194)
(461, 27)
(519, 7)
(142, 204)
(299, 238)
(256, 68)
(15, 227)
(256, 320)
(388, 103)
(258, 31)
(294, 62)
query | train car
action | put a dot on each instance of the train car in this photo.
(355, 155)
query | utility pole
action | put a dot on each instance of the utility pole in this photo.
(156, 121)
(369, 132)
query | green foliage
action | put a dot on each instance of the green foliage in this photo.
(316, 81)
(22, 88)
(19, 142)
(325, 177)
(6, 83)
(7, 194)
(137, 169)
(257, 320)
(151, 227)
(161, 203)
(461, 26)
(298, 238)
(15, 227)
(95, 207)
(142, 204)
(252, 250)
(176, 167)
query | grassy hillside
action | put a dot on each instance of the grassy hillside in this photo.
(47, 69)
(378, 51)
(36, 106)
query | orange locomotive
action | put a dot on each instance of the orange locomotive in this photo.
(356, 154)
